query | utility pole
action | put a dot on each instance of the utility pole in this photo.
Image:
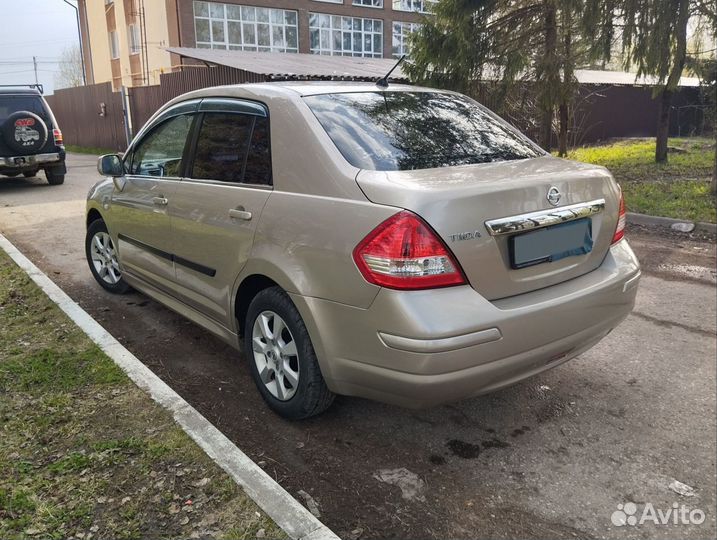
(34, 63)
(79, 39)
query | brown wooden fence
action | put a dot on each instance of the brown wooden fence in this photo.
(601, 112)
(90, 116)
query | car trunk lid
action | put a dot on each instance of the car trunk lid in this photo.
(458, 201)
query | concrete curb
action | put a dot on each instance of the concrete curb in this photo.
(278, 504)
(651, 221)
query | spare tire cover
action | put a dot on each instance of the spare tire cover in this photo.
(24, 132)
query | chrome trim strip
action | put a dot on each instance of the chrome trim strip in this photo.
(544, 218)
(440, 345)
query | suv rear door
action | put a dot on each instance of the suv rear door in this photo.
(217, 205)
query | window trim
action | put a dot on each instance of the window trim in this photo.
(194, 137)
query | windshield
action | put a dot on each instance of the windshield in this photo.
(396, 131)
(10, 104)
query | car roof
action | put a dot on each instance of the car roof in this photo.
(298, 88)
(19, 91)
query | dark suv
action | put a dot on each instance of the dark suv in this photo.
(30, 138)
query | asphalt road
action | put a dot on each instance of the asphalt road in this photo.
(549, 458)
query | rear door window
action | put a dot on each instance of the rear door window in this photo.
(11, 104)
(233, 147)
(395, 131)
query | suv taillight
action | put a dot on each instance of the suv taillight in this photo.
(403, 252)
(621, 220)
(57, 135)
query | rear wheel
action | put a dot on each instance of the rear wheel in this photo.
(282, 359)
(102, 258)
(53, 178)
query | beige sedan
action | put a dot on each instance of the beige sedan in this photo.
(401, 244)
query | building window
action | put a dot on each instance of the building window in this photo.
(368, 3)
(422, 6)
(245, 28)
(133, 39)
(345, 36)
(401, 31)
(114, 45)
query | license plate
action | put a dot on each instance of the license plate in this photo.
(550, 244)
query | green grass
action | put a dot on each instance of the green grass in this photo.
(84, 451)
(88, 150)
(677, 189)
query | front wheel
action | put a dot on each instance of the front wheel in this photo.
(282, 359)
(102, 258)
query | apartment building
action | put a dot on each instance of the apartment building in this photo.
(124, 40)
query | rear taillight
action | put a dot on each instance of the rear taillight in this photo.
(621, 220)
(404, 253)
(57, 135)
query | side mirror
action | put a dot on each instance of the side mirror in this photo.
(110, 165)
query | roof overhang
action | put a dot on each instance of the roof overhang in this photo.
(298, 66)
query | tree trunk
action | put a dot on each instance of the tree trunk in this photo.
(663, 126)
(713, 186)
(566, 92)
(548, 75)
(546, 130)
(563, 136)
(673, 81)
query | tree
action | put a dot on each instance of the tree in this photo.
(654, 39)
(69, 72)
(467, 42)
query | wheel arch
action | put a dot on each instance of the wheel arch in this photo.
(249, 287)
(93, 215)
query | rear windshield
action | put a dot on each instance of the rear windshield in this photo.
(397, 131)
(10, 104)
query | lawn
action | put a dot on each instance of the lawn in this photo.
(84, 453)
(88, 150)
(677, 189)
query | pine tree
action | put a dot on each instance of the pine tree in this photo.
(654, 39)
(512, 41)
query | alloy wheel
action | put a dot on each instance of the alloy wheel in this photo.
(275, 355)
(104, 258)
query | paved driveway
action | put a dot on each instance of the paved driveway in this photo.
(549, 458)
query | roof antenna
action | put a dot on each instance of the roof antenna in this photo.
(383, 81)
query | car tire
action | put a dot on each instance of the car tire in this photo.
(276, 373)
(54, 179)
(29, 174)
(102, 258)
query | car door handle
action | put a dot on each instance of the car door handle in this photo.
(238, 213)
(160, 201)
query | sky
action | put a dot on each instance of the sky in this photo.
(41, 28)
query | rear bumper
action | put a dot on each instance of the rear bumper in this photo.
(32, 161)
(422, 348)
